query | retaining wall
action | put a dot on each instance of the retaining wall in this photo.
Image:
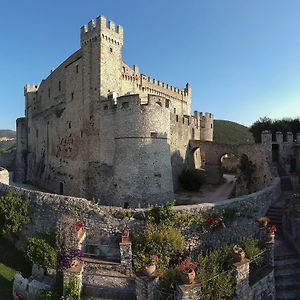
(104, 226)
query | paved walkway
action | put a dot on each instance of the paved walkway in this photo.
(209, 193)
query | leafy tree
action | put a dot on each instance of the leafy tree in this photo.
(247, 169)
(13, 212)
(162, 214)
(284, 125)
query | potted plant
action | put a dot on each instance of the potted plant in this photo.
(270, 234)
(263, 222)
(238, 254)
(149, 266)
(186, 269)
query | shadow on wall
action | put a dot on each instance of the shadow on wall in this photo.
(178, 165)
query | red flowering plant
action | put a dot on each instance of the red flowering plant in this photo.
(271, 229)
(78, 226)
(186, 265)
(214, 221)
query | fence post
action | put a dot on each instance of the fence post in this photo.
(242, 279)
(146, 287)
(126, 256)
(270, 257)
(189, 291)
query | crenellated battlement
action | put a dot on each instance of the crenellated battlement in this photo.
(30, 88)
(278, 137)
(103, 29)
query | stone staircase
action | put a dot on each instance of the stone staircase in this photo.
(287, 271)
(103, 280)
(286, 259)
(275, 215)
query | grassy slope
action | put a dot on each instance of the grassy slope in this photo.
(11, 261)
(231, 133)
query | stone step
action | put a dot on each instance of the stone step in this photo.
(288, 295)
(283, 273)
(292, 263)
(110, 284)
(288, 283)
(92, 264)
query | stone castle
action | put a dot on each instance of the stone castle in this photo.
(100, 129)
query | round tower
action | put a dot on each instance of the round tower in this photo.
(142, 162)
(207, 127)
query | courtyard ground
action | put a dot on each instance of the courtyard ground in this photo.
(208, 193)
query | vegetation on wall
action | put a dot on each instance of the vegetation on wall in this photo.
(284, 125)
(247, 169)
(13, 212)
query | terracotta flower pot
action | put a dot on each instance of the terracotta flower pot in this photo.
(74, 263)
(188, 277)
(270, 237)
(149, 270)
(238, 257)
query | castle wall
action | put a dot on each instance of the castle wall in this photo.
(7, 160)
(76, 139)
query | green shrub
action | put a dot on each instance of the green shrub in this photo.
(162, 215)
(13, 212)
(214, 275)
(253, 248)
(169, 279)
(191, 180)
(40, 251)
(165, 242)
(72, 291)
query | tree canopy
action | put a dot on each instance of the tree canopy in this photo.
(284, 125)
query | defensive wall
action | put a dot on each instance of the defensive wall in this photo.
(104, 222)
(7, 160)
(212, 152)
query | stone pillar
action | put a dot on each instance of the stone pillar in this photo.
(242, 280)
(75, 272)
(270, 254)
(289, 137)
(126, 256)
(146, 287)
(298, 137)
(189, 291)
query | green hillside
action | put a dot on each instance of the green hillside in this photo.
(7, 133)
(231, 133)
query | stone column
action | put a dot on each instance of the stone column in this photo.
(270, 254)
(126, 256)
(75, 272)
(189, 291)
(146, 287)
(242, 280)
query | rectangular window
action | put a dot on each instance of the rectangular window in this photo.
(59, 85)
(49, 93)
(77, 68)
(72, 95)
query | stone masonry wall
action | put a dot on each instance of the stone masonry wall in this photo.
(103, 223)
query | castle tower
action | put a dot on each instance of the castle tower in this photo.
(102, 43)
(207, 127)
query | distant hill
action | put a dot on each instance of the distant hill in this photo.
(7, 146)
(7, 133)
(231, 133)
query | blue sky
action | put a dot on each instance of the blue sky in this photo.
(241, 57)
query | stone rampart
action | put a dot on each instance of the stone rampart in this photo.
(103, 223)
(7, 160)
